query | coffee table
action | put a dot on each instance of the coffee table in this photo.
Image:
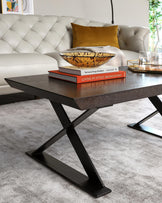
(88, 97)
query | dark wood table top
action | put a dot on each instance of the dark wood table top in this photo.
(94, 94)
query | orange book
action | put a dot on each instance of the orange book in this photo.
(86, 78)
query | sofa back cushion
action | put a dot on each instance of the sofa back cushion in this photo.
(133, 38)
(44, 34)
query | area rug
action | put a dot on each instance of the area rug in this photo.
(129, 161)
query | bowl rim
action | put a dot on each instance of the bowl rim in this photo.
(64, 54)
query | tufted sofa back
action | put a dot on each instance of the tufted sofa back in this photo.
(44, 34)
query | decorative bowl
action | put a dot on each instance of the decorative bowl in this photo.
(86, 59)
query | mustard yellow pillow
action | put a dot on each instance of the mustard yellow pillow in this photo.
(94, 36)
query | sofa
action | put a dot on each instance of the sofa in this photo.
(27, 40)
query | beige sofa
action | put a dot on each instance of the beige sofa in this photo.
(25, 41)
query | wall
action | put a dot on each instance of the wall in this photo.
(134, 12)
(128, 12)
(59, 7)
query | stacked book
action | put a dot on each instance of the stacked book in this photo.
(82, 75)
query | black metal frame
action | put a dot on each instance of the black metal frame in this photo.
(112, 11)
(91, 183)
(158, 105)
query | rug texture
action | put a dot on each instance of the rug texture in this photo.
(129, 161)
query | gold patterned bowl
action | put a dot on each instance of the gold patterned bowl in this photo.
(86, 59)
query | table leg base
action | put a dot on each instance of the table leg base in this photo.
(146, 129)
(74, 176)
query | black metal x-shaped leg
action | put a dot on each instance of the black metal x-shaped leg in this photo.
(158, 105)
(91, 183)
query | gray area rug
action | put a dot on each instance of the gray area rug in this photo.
(129, 161)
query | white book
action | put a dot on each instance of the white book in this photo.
(88, 71)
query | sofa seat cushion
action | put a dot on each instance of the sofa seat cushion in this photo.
(6, 89)
(130, 55)
(14, 65)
